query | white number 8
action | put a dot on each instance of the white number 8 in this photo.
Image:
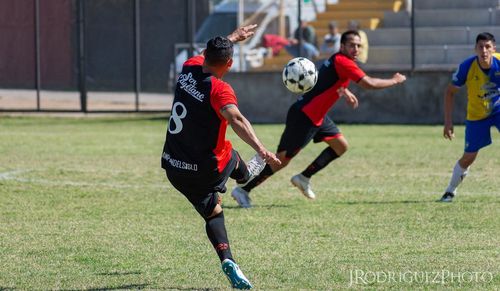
(176, 117)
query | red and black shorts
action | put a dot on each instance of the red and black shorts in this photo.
(202, 190)
(300, 130)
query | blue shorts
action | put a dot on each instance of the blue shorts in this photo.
(478, 133)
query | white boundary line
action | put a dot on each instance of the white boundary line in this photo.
(14, 176)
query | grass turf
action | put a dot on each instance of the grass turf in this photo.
(84, 205)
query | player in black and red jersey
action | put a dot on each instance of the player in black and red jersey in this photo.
(307, 119)
(197, 158)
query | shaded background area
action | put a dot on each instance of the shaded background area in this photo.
(17, 43)
(109, 34)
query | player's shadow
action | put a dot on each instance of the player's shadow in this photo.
(121, 287)
(270, 206)
(118, 273)
(188, 288)
(407, 202)
(382, 202)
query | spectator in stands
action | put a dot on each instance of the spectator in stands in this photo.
(274, 42)
(307, 35)
(307, 32)
(363, 56)
(331, 41)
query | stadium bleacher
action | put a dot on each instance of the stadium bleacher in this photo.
(445, 30)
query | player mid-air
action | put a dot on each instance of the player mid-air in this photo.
(307, 118)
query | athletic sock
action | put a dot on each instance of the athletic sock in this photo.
(216, 231)
(326, 156)
(240, 172)
(266, 173)
(456, 178)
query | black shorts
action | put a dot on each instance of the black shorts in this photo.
(300, 130)
(202, 190)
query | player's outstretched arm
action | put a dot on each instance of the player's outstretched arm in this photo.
(449, 100)
(368, 82)
(242, 33)
(245, 131)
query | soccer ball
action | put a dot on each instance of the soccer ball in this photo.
(300, 75)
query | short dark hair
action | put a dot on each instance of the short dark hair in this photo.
(219, 51)
(485, 36)
(346, 35)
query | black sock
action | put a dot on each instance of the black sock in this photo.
(266, 173)
(216, 231)
(240, 173)
(326, 156)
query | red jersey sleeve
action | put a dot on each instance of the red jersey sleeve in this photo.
(222, 94)
(195, 61)
(348, 69)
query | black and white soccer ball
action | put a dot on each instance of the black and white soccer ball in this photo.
(300, 75)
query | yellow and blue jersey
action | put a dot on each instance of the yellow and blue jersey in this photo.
(483, 87)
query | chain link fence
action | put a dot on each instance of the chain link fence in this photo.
(92, 55)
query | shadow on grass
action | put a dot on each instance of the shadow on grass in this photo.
(120, 273)
(412, 202)
(6, 288)
(122, 287)
(258, 206)
(187, 288)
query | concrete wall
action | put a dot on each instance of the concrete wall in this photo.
(263, 99)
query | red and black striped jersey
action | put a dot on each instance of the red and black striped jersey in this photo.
(333, 74)
(196, 135)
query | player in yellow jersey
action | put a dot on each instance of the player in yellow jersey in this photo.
(481, 74)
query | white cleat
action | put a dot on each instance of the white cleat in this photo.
(255, 165)
(242, 198)
(302, 182)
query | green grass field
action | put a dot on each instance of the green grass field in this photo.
(84, 205)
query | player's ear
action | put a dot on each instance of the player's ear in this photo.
(229, 63)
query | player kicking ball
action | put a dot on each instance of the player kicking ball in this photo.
(197, 158)
(307, 118)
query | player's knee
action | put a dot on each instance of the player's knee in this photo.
(341, 148)
(217, 210)
(209, 207)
